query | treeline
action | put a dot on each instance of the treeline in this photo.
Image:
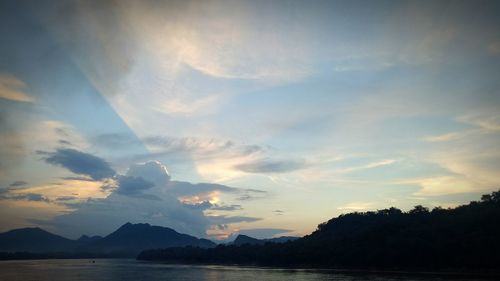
(466, 237)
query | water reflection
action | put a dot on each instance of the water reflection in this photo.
(125, 270)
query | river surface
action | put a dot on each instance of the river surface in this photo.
(125, 270)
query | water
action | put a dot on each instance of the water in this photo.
(125, 270)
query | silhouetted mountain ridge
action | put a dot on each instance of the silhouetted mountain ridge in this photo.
(33, 239)
(128, 240)
(87, 239)
(132, 238)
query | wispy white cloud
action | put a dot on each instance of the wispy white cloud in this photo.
(487, 121)
(368, 166)
(446, 137)
(189, 107)
(357, 206)
(12, 88)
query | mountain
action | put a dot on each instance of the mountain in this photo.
(244, 239)
(130, 239)
(84, 239)
(462, 238)
(34, 240)
(126, 241)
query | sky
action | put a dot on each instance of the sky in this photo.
(263, 118)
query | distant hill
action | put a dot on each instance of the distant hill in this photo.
(84, 239)
(34, 240)
(133, 238)
(242, 239)
(464, 238)
(128, 241)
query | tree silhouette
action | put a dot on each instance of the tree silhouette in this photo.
(465, 238)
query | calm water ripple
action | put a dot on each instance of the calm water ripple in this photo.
(125, 270)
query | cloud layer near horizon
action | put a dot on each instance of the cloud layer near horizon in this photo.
(144, 194)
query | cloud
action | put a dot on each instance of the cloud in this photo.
(356, 206)
(220, 40)
(153, 171)
(446, 137)
(248, 196)
(234, 207)
(199, 206)
(9, 195)
(66, 198)
(371, 165)
(144, 194)
(443, 185)
(77, 178)
(102, 216)
(80, 163)
(18, 183)
(189, 107)
(231, 219)
(199, 146)
(206, 205)
(486, 121)
(265, 166)
(278, 212)
(11, 89)
(263, 233)
(180, 188)
(30, 197)
(132, 186)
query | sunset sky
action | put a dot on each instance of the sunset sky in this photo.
(257, 117)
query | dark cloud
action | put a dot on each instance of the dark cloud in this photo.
(263, 233)
(255, 190)
(234, 219)
(132, 186)
(66, 198)
(26, 197)
(250, 149)
(251, 194)
(181, 188)
(77, 178)
(205, 205)
(80, 163)
(265, 166)
(18, 183)
(278, 212)
(245, 197)
(226, 207)
(221, 226)
(31, 197)
(64, 142)
(200, 206)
